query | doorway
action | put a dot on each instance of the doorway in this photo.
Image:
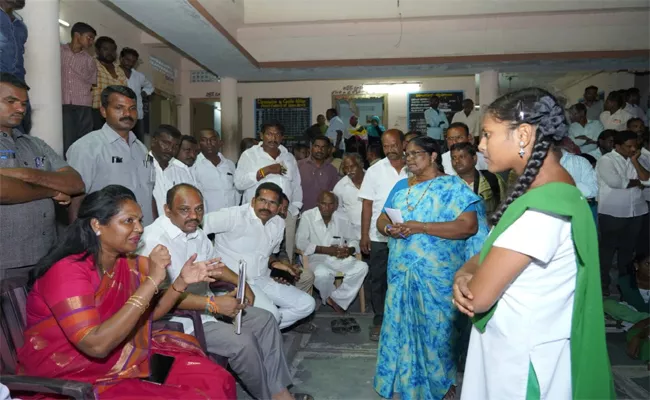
(205, 114)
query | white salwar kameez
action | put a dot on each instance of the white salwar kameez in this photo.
(313, 232)
(532, 321)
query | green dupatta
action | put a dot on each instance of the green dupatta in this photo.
(591, 374)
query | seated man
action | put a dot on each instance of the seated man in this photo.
(256, 355)
(253, 232)
(322, 236)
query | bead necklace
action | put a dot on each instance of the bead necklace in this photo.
(408, 194)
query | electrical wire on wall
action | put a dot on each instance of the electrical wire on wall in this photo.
(401, 26)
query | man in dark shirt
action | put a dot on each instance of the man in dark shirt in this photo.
(316, 174)
(32, 178)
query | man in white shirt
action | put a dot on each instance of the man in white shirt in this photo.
(256, 354)
(632, 100)
(138, 83)
(605, 143)
(583, 131)
(165, 142)
(470, 117)
(214, 173)
(614, 116)
(621, 205)
(336, 129)
(583, 174)
(637, 126)
(188, 150)
(326, 238)
(377, 184)
(269, 161)
(458, 132)
(347, 190)
(253, 232)
(592, 103)
(436, 119)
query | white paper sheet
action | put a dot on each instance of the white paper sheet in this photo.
(395, 215)
(241, 291)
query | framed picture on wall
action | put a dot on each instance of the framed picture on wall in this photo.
(451, 101)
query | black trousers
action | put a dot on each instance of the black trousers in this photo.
(77, 121)
(617, 236)
(643, 244)
(378, 277)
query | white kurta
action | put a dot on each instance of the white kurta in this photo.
(532, 321)
(175, 173)
(350, 203)
(313, 232)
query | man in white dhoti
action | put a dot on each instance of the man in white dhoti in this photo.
(326, 237)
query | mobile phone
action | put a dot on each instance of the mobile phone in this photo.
(159, 367)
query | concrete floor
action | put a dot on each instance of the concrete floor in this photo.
(333, 366)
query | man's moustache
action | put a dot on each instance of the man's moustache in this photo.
(193, 220)
(126, 119)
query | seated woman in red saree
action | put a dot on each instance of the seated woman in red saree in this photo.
(91, 308)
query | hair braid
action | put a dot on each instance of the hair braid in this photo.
(535, 162)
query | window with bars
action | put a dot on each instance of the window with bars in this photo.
(201, 76)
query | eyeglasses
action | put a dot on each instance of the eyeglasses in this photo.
(266, 202)
(413, 154)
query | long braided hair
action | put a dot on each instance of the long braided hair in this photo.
(537, 107)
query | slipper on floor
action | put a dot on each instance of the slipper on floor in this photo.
(351, 325)
(375, 332)
(302, 396)
(338, 326)
(307, 327)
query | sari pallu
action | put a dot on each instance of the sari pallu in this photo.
(70, 300)
(417, 347)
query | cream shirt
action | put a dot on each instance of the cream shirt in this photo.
(216, 183)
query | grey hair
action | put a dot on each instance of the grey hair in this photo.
(356, 156)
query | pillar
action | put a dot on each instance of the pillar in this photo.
(488, 89)
(230, 133)
(43, 70)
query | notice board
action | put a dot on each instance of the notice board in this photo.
(292, 112)
(450, 103)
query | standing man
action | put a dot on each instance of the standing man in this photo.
(621, 205)
(347, 190)
(316, 174)
(335, 129)
(377, 184)
(436, 120)
(113, 155)
(326, 237)
(594, 106)
(584, 132)
(458, 132)
(214, 173)
(614, 116)
(269, 161)
(108, 74)
(470, 117)
(170, 172)
(632, 100)
(13, 36)
(78, 75)
(138, 83)
(319, 128)
(188, 151)
(32, 178)
(253, 232)
(605, 143)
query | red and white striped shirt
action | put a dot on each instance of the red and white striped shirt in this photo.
(78, 75)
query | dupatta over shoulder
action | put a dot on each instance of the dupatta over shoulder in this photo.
(591, 374)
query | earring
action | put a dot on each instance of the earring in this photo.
(521, 149)
(98, 233)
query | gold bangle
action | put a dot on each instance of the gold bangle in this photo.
(142, 309)
(155, 286)
(133, 301)
(176, 290)
(262, 172)
(137, 298)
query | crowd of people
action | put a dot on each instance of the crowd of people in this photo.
(150, 230)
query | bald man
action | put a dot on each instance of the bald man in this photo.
(256, 356)
(327, 238)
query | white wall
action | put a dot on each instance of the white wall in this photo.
(605, 81)
(320, 93)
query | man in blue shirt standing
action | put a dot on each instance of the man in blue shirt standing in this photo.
(436, 120)
(13, 35)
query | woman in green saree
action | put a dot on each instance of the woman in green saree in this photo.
(534, 291)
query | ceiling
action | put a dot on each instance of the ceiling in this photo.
(284, 40)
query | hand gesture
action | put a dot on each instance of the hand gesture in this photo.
(274, 169)
(395, 231)
(294, 270)
(160, 259)
(636, 155)
(62, 199)
(409, 228)
(462, 295)
(228, 304)
(203, 271)
(342, 252)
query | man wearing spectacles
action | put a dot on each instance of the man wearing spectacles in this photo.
(253, 233)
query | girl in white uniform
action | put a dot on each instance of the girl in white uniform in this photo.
(545, 336)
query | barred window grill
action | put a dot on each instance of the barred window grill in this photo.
(161, 66)
(201, 76)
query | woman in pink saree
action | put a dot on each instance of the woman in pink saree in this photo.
(92, 304)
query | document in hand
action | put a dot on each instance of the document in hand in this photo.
(395, 215)
(241, 291)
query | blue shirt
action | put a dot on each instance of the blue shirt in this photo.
(436, 123)
(13, 35)
(582, 173)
